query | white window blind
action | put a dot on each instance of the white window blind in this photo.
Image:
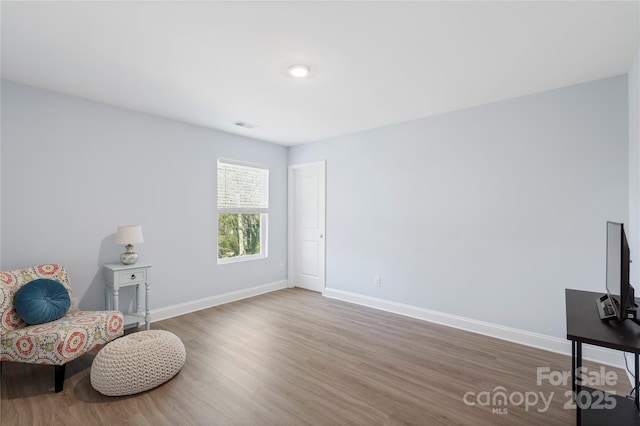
(242, 188)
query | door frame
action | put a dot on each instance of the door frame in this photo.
(291, 222)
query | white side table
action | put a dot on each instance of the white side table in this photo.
(117, 275)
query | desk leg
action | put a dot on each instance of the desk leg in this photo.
(578, 386)
(636, 382)
(573, 368)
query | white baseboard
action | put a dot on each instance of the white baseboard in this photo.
(536, 340)
(220, 299)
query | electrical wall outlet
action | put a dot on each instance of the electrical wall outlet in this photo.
(74, 303)
(376, 281)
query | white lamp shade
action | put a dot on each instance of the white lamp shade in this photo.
(130, 234)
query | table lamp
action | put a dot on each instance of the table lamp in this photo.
(129, 235)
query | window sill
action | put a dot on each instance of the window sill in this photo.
(240, 259)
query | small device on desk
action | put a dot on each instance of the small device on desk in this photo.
(608, 312)
(605, 309)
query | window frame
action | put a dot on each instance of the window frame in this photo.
(264, 216)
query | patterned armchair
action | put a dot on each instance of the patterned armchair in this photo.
(56, 342)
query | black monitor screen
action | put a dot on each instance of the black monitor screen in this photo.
(614, 260)
(618, 259)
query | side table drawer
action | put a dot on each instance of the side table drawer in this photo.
(132, 276)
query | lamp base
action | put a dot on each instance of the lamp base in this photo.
(129, 257)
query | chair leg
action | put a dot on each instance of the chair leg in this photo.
(59, 377)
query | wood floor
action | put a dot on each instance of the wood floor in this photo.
(293, 357)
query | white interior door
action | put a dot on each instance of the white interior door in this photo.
(307, 226)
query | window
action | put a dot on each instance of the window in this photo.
(243, 209)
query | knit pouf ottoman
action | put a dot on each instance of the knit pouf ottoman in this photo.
(137, 362)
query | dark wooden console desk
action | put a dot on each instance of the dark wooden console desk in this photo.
(585, 326)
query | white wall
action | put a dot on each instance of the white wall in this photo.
(633, 233)
(73, 170)
(488, 213)
(0, 178)
(634, 170)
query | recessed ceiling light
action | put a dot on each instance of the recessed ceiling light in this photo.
(299, 70)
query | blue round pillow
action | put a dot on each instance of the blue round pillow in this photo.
(41, 301)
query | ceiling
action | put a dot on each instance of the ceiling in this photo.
(372, 63)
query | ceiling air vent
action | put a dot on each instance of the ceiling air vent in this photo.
(245, 124)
